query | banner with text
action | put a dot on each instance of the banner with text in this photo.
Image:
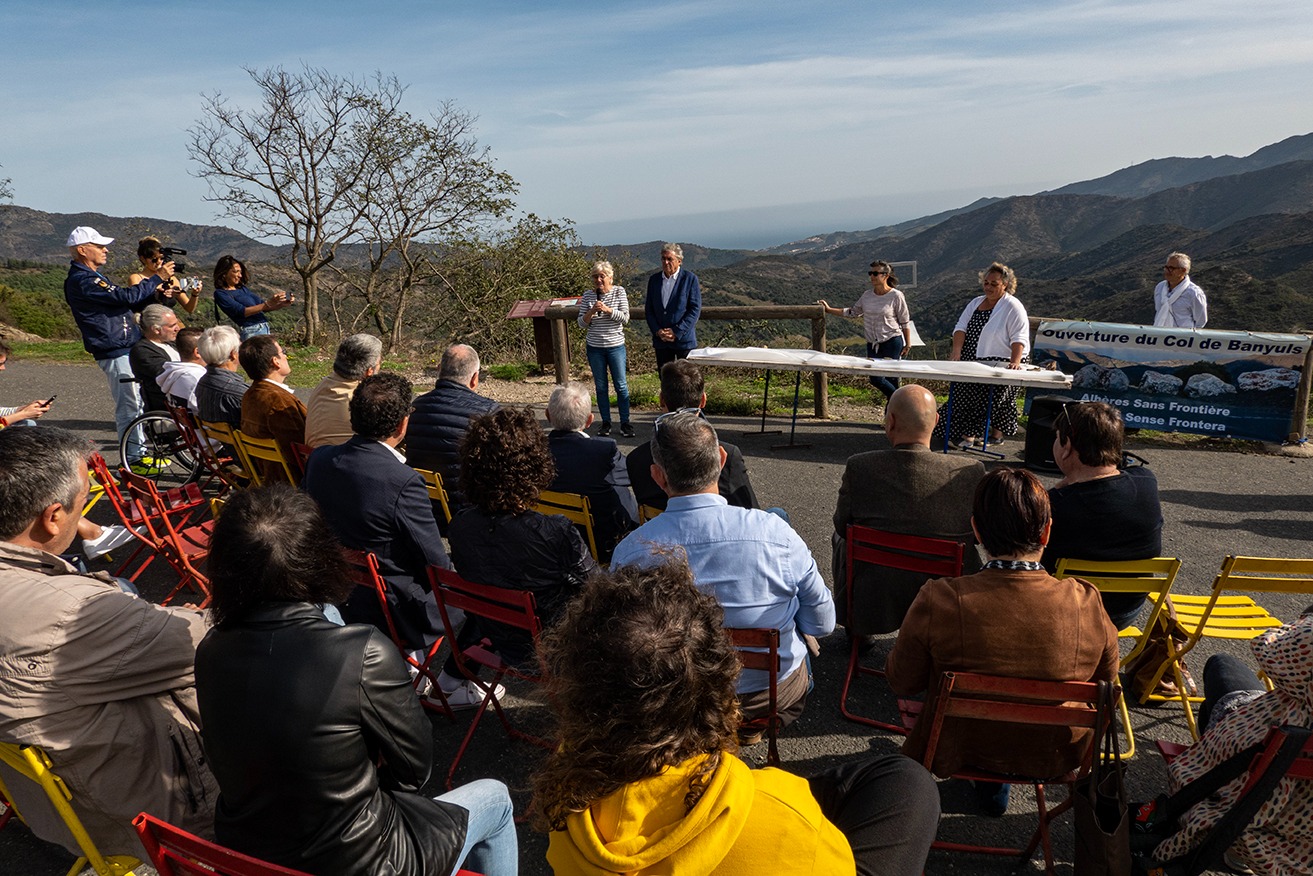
(1238, 384)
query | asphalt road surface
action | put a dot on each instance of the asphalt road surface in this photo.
(1214, 504)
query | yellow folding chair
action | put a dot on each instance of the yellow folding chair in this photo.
(267, 450)
(647, 512)
(572, 506)
(1154, 577)
(1236, 616)
(437, 492)
(33, 764)
(227, 435)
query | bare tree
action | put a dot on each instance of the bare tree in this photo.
(288, 168)
(429, 182)
(6, 189)
(479, 279)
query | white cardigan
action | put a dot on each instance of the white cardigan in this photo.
(1007, 326)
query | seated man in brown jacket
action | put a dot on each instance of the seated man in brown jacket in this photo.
(270, 409)
(100, 679)
(909, 490)
(1012, 619)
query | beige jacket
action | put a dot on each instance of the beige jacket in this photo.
(103, 682)
(328, 413)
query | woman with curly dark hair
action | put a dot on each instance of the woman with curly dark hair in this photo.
(498, 541)
(239, 303)
(645, 778)
(299, 710)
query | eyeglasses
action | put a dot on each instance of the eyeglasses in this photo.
(1173, 267)
(1066, 413)
(670, 415)
(877, 273)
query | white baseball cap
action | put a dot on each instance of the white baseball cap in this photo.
(86, 234)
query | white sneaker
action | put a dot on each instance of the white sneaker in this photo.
(111, 537)
(468, 696)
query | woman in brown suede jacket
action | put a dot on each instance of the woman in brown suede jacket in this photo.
(1013, 619)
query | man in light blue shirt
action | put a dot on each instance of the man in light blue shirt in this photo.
(757, 567)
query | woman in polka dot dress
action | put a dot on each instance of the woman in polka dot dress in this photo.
(1279, 839)
(993, 329)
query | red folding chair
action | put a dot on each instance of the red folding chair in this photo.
(992, 698)
(175, 852)
(933, 557)
(759, 648)
(180, 503)
(512, 608)
(217, 468)
(301, 455)
(364, 571)
(182, 547)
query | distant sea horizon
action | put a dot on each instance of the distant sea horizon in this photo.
(758, 228)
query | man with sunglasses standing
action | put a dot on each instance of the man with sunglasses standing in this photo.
(1177, 301)
(104, 315)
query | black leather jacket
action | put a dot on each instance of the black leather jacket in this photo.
(295, 712)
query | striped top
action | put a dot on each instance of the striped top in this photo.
(605, 330)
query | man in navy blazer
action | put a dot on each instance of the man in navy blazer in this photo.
(375, 502)
(593, 467)
(674, 300)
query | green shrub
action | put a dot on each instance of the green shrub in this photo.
(509, 371)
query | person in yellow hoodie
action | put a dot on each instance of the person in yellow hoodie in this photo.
(646, 780)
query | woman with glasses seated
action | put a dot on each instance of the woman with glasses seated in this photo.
(885, 320)
(500, 541)
(1100, 510)
(150, 252)
(312, 729)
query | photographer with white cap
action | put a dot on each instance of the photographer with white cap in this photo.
(104, 315)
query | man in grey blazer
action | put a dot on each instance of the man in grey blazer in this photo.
(909, 490)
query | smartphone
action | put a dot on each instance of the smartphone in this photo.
(51, 400)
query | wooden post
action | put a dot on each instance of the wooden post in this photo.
(1299, 422)
(560, 357)
(820, 380)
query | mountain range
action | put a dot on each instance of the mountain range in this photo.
(1092, 249)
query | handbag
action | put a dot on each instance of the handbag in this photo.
(1140, 671)
(1103, 838)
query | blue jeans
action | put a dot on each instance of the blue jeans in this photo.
(127, 401)
(890, 349)
(491, 847)
(250, 331)
(599, 360)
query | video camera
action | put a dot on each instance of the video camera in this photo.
(170, 253)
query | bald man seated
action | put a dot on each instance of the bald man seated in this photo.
(909, 490)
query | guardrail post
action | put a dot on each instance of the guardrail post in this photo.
(559, 359)
(820, 380)
(1299, 422)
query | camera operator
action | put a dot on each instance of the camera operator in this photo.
(240, 304)
(151, 253)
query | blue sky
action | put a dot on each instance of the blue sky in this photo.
(728, 123)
